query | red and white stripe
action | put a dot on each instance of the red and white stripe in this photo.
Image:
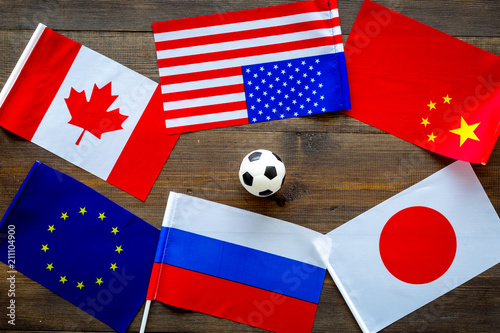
(200, 58)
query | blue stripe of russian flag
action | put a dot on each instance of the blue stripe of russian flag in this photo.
(241, 264)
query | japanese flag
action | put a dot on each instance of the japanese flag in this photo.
(415, 247)
(89, 110)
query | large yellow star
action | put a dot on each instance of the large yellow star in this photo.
(115, 230)
(50, 267)
(113, 267)
(64, 216)
(425, 122)
(51, 228)
(63, 279)
(101, 216)
(45, 247)
(447, 99)
(99, 281)
(466, 131)
(431, 105)
(80, 285)
(431, 137)
(82, 211)
(118, 249)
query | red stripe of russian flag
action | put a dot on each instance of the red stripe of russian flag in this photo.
(231, 300)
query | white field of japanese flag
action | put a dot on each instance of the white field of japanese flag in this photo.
(89, 110)
(415, 247)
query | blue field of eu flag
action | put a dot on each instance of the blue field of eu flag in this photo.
(79, 244)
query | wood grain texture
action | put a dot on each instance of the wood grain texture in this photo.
(337, 167)
(456, 17)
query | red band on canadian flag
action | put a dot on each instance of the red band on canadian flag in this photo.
(89, 110)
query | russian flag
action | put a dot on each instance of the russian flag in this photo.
(238, 265)
(89, 110)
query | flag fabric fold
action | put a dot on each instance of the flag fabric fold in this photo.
(89, 110)
(251, 66)
(80, 245)
(415, 247)
(238, 265)
(422, 85)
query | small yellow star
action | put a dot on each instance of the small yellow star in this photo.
(119, 249)
(115, 230)
(63, 279)
(82, 211)
(50, 267)
(64, 216)
(80, 285)
(431, 137)
(101, 216)
(431, 105)
(45, 247)
(51, 228)
(425, 122)
(466, 131)
(113, 267)
(99, 281)
(447, 99)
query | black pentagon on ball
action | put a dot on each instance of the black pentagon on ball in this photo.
(270, 172)
(255, 156)
(265, 193)
(247, 179)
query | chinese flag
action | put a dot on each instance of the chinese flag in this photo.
(423, 85)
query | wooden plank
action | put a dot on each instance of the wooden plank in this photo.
(460, 18)
(331, 177)
(135, 49)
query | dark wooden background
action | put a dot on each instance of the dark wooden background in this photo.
(337, 167)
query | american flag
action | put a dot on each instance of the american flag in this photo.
(251, 66)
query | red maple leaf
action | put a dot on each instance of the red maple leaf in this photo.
(93, 115)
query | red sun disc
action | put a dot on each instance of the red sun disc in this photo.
(418, 245)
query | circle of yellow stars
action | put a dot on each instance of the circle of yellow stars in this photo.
(63, 279)
(465, 131)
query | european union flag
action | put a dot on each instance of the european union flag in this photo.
(79, 244)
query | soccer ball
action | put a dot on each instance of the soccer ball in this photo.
(262, 173)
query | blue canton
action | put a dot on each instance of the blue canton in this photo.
(290, 88)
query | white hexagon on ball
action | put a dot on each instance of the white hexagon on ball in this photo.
(262, 173)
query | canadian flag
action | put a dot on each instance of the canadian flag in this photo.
(415, 247)
(89, 110)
